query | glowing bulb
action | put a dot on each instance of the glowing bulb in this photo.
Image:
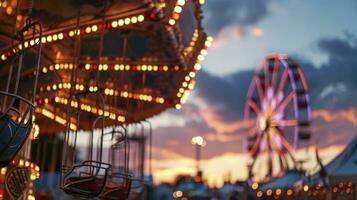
(127, 21)
(134, 20)
(114, 24)
(141, 18)
(120, 22)
(178, 106)
(94, 28)
(181, 2)
(172, 22)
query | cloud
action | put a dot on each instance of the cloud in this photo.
(224, 13)
(225, 95)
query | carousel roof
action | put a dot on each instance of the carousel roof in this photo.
(141, 55)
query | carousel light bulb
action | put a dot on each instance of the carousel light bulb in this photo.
(197, 66)
(54, 37)
(9, 10)
(178, 106)
(172, 22)
(191, 86)
(114, 24)
(181, 2)
(144, 67)
(120, 22)
(88, 29)
(94, 28)
(87, 66)
(141, 18)
(60, 36)
(200, 57)
(192, 74)
(178, 9)
(134, 20)
(127, 21)
(49, 38)
(105, 67)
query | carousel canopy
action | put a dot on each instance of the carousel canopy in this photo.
(141, 55)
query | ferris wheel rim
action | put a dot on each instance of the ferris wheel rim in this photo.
(256, 86)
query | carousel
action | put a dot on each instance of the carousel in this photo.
(78, 82)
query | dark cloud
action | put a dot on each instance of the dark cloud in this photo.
(222, 13)
(337, 76)
(226, 95)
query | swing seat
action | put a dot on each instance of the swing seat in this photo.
(13, 137)
(17, 181)
(13, 134)
(86, 180)
(117, 188)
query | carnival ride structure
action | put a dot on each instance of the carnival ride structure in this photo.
(278, 113)
(140, 57)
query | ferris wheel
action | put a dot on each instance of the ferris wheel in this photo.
(278, 113)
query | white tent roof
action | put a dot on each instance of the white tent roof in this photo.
(344, 166)
(290, 179)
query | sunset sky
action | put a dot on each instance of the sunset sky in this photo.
(321, 35)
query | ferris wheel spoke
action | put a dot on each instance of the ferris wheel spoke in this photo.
(282, 82)
(275, 74)
(260, 89)
(285, 102)
(290, 122)
(285, 143)
(266, 78)
(303, 81)
(270, 156)
(254, 106)
(256, 147)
